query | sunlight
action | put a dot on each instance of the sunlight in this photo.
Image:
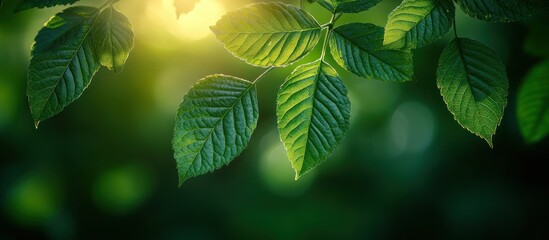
(191, 26)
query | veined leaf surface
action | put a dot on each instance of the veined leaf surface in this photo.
(113, 39)
(313, 115)
(358, 47)
(473, 83)
(417, 23)
(214, 124)
(501, 10)
(62, 63)
(268, 34)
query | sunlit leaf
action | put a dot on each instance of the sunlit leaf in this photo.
(113, 39)
(347, 6)
(417, 23)
(501, 10)
(184, 6)
(533, 104)
(358, 47)
(214, 124)
(474, 85)
(268, 34)
(313, 115)
(28, 4)
(62, 63)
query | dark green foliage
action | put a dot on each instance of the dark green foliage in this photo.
(67, 53)
(28, 4)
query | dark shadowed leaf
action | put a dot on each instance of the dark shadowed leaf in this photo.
(113, 39)
(214, 124)
(358, 47)
(62, 63)
(473, 83)
(28, 4)
(533, 104)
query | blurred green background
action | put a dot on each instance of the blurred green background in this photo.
(103, 168)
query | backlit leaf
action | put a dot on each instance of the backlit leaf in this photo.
(183, 6)
(268, 34)
(113, 39)
(417, 23)
(313, 115)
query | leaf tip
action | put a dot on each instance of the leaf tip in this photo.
(489, 141)
(182, 179)
(36, 123)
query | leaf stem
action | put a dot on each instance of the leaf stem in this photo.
(329, 27)
(263, 74)
(455, 29)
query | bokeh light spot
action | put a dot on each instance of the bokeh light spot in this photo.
(121, 190)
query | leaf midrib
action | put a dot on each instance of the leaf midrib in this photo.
(276, 32)
(370, 52)
(216, 123)
(94, 17)
(310, 118)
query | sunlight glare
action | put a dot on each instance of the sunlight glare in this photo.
(194, 25)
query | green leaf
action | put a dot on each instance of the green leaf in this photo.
(313, 115)
(183, 6)
(348, 6)
(62, 63)
(474, 85)
(28, 4)
(417, 23)
(533, 104)
(113, 38)
(358, 47)
(268, 34)
(214, 124)
(500, 10)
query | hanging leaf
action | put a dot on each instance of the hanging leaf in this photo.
(418, 23)
(28, 4)
(183, 6)
(501, 10)
(348, 6)
(113, 39)
(533, 104)
(313, 115)
(62, 63)
(268, 34)
(214, 124)
(358, 47)
(474, 85)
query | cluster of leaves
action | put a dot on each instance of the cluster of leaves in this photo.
(70, 49)
(218, 115)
